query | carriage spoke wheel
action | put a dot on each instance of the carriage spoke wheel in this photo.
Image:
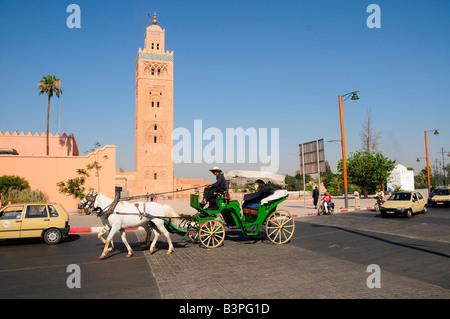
(211, 233)
(280, 227)
(192, 231)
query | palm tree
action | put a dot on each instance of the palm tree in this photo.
(49, 85)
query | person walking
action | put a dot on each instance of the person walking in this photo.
(356, 194)
(315, 196)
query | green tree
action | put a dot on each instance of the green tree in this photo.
(74, 186)
(49, 85)
(293, 183)
(334, 183)
(369, 170)
(9, 182)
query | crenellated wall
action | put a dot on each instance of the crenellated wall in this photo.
(43, 172)
(35, 144)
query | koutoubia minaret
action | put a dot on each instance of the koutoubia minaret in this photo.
(154, 113)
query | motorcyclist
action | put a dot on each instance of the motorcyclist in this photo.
(328, 202)
(380, 195)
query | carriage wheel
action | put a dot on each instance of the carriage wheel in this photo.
(280, 227)
(192, 231)
(211, 233)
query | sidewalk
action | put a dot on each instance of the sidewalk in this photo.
(81, 223)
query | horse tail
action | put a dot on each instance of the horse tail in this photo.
(170, 212)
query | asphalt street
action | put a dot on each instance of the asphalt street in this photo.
(328, 257)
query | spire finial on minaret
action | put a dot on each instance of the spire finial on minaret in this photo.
(154, 18)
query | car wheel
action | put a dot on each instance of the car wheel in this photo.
(52, 236)
(425, 209)
(408, 213)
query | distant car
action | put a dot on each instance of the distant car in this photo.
(431, 194)
(404, 203)
(441, 197)
(47, 221)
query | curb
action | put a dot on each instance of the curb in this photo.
(345, 210)
(81, 230)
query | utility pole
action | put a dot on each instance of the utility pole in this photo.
(443, 163)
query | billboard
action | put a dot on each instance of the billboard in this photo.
(312, 157)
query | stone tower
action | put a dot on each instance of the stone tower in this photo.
(154, 114)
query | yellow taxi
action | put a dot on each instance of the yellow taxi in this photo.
(404, 203)
(48, 221)
(441, 197)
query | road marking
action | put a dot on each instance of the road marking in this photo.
(65, 266)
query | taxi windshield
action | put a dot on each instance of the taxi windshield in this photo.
(400, 196)
(442, 191)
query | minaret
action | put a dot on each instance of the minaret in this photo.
(154, 113)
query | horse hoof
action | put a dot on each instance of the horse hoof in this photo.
(151, 251)
(169, 252)
(102, 256)
(129, 255)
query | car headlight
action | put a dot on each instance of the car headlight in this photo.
(401, 209)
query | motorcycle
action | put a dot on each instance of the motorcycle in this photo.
(378, 203)
(326, 208)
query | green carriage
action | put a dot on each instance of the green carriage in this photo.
(258, 217)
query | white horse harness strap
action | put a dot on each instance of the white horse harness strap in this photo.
(113, 205)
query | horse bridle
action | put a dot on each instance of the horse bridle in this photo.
(90, 199)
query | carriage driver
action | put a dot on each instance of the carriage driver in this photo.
(219, 186)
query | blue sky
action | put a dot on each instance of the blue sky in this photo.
(261, 64)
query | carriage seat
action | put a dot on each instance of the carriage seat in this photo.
(221, 193)
(278, 194)
(253, 201)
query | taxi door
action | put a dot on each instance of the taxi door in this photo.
(11, 221)
(35, 221)
(417, 204)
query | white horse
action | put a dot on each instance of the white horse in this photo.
(84, 205)
(126, 215)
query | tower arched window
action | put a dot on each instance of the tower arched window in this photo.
(154, 139)
(155, 127)
(155, 176)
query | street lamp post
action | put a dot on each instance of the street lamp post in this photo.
(344, 158)
(436, 132)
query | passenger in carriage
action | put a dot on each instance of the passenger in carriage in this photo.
(218, 187)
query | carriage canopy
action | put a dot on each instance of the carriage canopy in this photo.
(260, 177)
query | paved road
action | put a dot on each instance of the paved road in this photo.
(327, 258)
(30, 269)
